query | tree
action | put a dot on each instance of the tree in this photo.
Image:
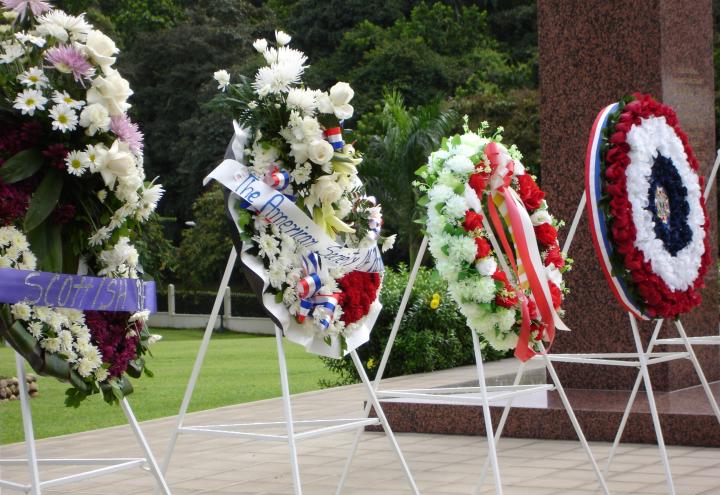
(171, 72)
(403, 139)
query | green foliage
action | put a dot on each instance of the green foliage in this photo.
(171, 72)
(399, 139)
(429, 339)
(158, 256)
(516, 110)
(205, 248)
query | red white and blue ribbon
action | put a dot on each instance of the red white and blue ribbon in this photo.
(310, 301)
(277, 178)
(334, 137)
(598, 218)
(311, 283)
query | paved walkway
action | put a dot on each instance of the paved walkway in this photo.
(442, 465)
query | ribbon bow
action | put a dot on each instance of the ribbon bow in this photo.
(307, 289)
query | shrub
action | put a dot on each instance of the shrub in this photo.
(430, 338)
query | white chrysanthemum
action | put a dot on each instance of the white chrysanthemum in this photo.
(21, 311)
(456, 206)
(302, 99)
(462, 249)
(276, 274)
(285, 71)
(86, 367)
(63, 117)
(267, 245)
(440, 193)
(460, 164)
(77, 162)
(302, 173)
(101, 374)
(42, 313)
(506, 318)
(51, 344)
(36, 329)
(447, 178)
(34, 77)
(120, 261)
(30, 100)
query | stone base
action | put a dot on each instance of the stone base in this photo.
(686, 417)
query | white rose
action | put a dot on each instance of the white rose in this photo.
(327, 190)
(337, 101)
(320, 151)
(111, 91)
(101, 48)
(260, 45)
(540, 217)
(223, 79)
(486, 266)
(95, 118)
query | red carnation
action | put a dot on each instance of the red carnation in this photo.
(554, 257)
(473, 221)
(556, 294)
(546, 234)
(500, 276)
(478, 182)
(507, 301)
(530, 193)
(483, 248)
(359, 291)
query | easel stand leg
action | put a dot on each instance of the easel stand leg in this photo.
(571, 414)
(492, 451)
(287, 410)
(373, 400)
(653, 407)
(28, 427)
(698, 369)
(199, 359)
(386, 355)
(149, 456)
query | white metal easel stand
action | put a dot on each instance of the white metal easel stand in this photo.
(313, 428)
(644, 357)
(113, 465)
(481, 395)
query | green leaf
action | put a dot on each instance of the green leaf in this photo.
(46, 243)
(45, 199)
(21, 166)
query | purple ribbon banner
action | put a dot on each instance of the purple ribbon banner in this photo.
(81, 292)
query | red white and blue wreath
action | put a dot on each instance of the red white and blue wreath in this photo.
(647, 211)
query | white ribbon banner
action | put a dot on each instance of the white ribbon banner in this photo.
(279, 210)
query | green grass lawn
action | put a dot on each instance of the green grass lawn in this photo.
(238, 368)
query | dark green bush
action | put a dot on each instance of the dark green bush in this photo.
(429, 338)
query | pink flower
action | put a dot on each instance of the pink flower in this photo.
(68, 59)
(20, 6)
(128, 132)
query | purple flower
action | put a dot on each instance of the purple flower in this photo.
(20, 6)
(128, 132)
(69, 60)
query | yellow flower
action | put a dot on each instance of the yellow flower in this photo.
(435, 301)
(371, 363)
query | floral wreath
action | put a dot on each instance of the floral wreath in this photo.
(471, 173)
(290, 138)
(648, 218)
(71, 191)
